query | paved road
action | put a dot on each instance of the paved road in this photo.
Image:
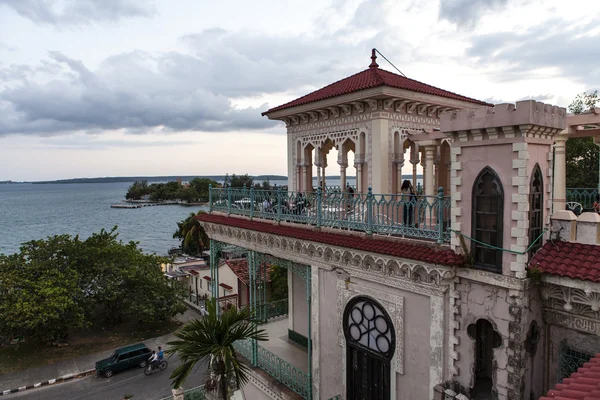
(133, 381)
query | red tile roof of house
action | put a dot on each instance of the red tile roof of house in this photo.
(207, 278)
(573, 260)
(239, 267)
(416, 252)
(583, 384)
(370, 78)
(223, 285)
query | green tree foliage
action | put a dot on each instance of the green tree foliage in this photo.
(192, 235)
(137, 190)
(39, 293)
(197, 190)
(200, 185)
(60, 283)
(279, 283)
(212, 339)
(239, 181)
(582, 153)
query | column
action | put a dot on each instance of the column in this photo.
(343, 163)
(358, 167)
(343, 176)
(380, 161)
(428, 171)
(414, 160)
(298, 184)
(560, 173)
(399, 165)
(324, 165)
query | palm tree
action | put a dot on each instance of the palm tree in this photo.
(193, 237)
(211, 338)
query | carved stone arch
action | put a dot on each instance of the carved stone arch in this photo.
(368, 262)
(347, 258)
(392, 268)
(420, 275)
(379, 265)
(311, 250)
(328, 254)
(405, 271)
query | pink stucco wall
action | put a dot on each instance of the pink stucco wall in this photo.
(473, 160)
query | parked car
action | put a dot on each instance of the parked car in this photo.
(135, 355)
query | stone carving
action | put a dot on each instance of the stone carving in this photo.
(570, 321)
(407, 274)
(394, 305)
(573, 300)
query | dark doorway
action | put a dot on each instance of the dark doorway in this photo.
(486, 340)
(370, 341)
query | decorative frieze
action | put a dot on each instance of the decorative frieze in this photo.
(572, 300)
(388, 270)
(568, 320)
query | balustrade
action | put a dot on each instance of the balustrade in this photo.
(416, 216)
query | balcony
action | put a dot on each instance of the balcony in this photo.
(414, 216)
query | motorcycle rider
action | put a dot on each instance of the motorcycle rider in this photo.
(153, 359)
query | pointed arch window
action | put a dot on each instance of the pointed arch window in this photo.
(487, 215)
(536, 209)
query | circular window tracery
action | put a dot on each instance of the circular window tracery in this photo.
(367, 325)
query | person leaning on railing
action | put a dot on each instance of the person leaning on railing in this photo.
(409, 199)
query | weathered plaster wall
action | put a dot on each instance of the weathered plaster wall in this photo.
(481, 301)
(471, 161)
(579, 341)
(414, 384)
(300, 308)
(534, 346)
(330, 364)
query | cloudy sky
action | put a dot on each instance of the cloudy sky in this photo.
(176, 87)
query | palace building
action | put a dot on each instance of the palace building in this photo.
(483, 285)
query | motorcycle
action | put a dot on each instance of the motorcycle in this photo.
(153, 366)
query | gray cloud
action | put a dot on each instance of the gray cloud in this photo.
(556, 43)
(466, 13)
(79, 12)
(135, 91)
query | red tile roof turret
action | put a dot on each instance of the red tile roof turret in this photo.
(370, 78)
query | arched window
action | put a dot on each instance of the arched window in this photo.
(487, 214)
(371, 342)
(536, 210)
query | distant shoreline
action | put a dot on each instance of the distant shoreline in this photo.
(218, 178)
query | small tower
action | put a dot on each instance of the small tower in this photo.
(501, 175)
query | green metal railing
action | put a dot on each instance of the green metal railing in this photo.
(275, 309)
(278, 368)
(584, 196)
(387, 214)
(284, 372)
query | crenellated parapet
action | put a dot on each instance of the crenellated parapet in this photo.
(526, 119)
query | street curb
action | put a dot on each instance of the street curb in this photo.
(64, 378)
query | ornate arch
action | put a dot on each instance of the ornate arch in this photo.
(536, 209)
(487, 215)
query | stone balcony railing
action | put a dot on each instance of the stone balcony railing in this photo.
(584, 228)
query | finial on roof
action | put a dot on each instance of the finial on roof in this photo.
(373, 58)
